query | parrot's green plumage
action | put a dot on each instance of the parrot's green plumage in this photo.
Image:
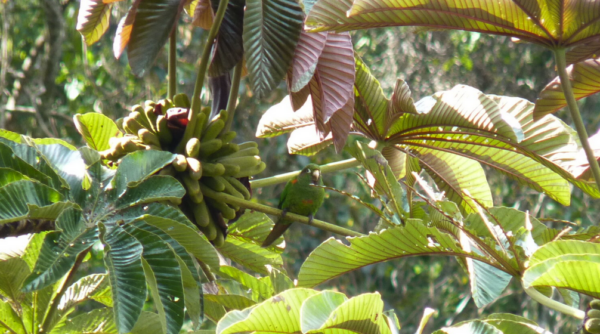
(300, 196)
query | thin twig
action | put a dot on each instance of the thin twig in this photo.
(233, 94)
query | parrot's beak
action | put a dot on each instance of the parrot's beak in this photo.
(316, 175)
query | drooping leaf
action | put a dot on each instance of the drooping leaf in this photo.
(335, 70)
(96, 129)
(401, 101)
(260, 318)
(229, 46)
(340, 124)
(281, 118)
(93, 19)
(154, 21)
(60, 250)
(574, 265)
(124, 265)
(487, 283)
(123, 34)
(393, 243)
(27, 199)
(138, 166)
(306, 56)
(581, 166)
(153, 189)
(271, 31)
(372, 118)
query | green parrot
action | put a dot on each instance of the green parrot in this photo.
(299, 197)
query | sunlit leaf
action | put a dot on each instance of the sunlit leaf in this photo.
(93, 20)
(281, 118)
(153, 189)
(96, 129)
(14, 271)
(10, 320)
(27, 199)
(201, 12)
(258, 288)
(306, 141)
(123, 34)
(393, 243)
(574, 265)
(138, 166)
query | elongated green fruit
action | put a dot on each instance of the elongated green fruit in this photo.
(209, 147)
(166, 104)
(593, 313)
(149, 103)
(200, 124)
(231, 169)
(130, 144)
(229, 188)
(114, 142)
(595, 304)
(132, 126)
(191, 185)
(592, 326)
(141, 118)
(228, 136)
(239, 186)
(180, 163)
(247, 144)
(223, 114)
(201, 214)
(225, 150)
(219, 240)
(213, 129)
(249, 151)
(151, 116)
(210, 230)
(197, 198)
(251, 171)
(213, 183)
(148, 137)
(181, 100)
(192, 147)
(226, 211)
(243, 162)
(211, 169)
(195, 168)
(162, 129)
(169, 170)
(137, 108)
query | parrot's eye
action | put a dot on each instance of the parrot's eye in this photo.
(308, 170)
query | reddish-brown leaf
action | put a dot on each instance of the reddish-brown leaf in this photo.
(309, 49)
(123, 33)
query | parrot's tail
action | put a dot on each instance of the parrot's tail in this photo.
(276, 232)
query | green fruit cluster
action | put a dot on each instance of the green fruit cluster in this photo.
(210, 164)
(591, 322)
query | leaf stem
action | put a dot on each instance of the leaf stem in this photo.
(204, 60)
(172, 89)
(553, 304)
(332, 167)
(233, 94)
(223, 197)
(49, 319)
(561, 65)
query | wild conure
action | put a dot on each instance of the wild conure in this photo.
(300, 196)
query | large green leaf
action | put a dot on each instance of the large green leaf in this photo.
(124, 265)
(27, 199)
(96, 129)
(306, 141)
(271, 31)
(279, 314)
(371, 117)
(154, 21)
(153, 189)
(332, 258)
(569, 264)
(498, 323)
(10, 159)
(258, 288)
(60, 249)
(546, 22)
(10, 320)
(93, 19)
(460, 178)
(162, 270)
(137, 166)
(231, 302)
(14, 271)
(316, 309)
(96, 321)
